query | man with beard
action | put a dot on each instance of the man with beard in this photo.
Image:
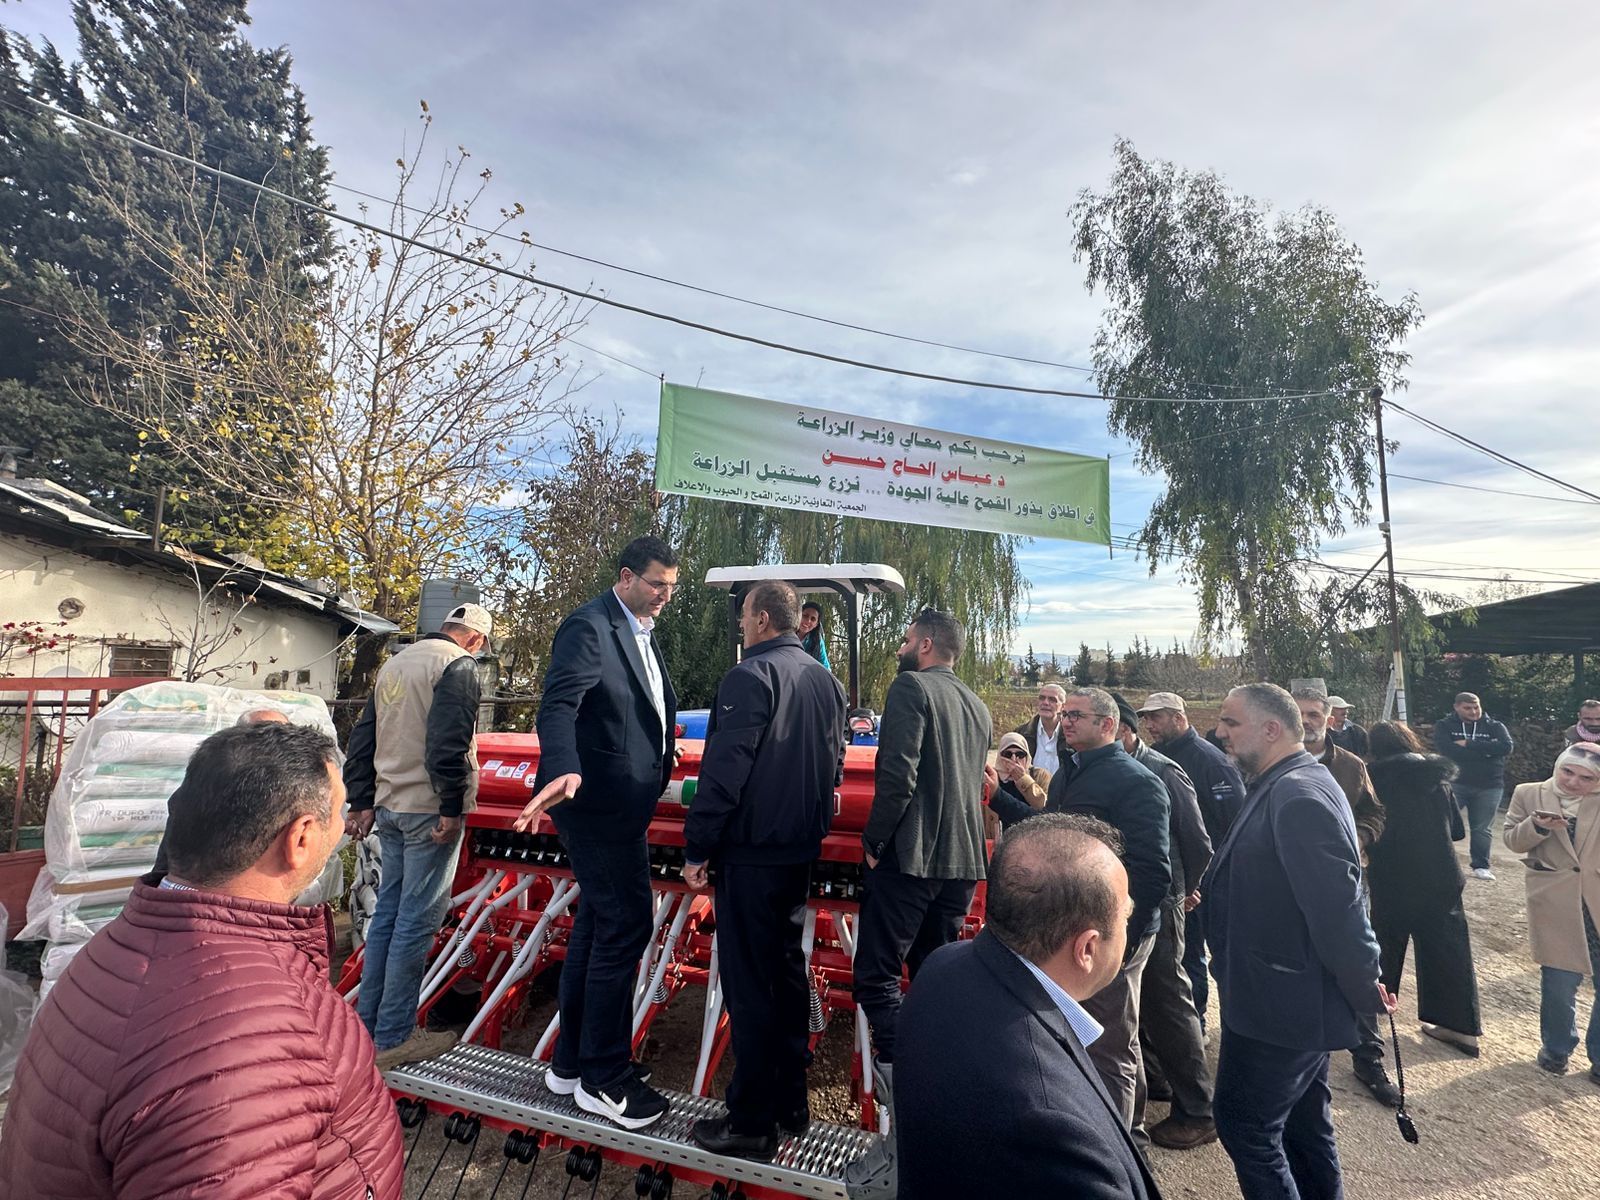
(923, 841)
(1295, 957)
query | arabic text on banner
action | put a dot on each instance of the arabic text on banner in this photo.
(728, 447)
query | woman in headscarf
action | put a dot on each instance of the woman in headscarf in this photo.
(1555, 826)
(1416, 881)
(1017, 788)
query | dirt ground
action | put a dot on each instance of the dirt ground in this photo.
(1493, 1128)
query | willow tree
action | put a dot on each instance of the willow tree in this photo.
(972, 575)
(1212, 295)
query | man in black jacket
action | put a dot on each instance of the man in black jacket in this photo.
(923, 841)
(1104, 782)
(1220, 792)
(774, 755)
(606, 738)
(997, 1096)
(1479, 746)
(1344, 732)
(1172, 1042)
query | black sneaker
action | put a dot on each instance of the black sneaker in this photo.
(566, 1085)
(1549, 1062)
(631, 1104)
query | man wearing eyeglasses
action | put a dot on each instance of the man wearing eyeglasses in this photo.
(1102, 780)
(605, 755)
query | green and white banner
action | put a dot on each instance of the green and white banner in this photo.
(728, 447)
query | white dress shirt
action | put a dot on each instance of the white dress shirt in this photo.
(641, 627)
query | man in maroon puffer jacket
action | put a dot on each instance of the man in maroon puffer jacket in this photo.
(195, 1047)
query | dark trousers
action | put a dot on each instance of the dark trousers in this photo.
(1169, 1027)
(1115, 1053)
(1366, 1056)
(903, 920)
(608, 936)
(761, 913)
(1194, 962)
(1447, 983)
(1273, 1119)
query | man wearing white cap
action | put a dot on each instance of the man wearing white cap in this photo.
(1342, 731)
(412, 773)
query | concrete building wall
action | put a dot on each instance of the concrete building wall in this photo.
(254, 646)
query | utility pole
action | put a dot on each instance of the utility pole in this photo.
(1397, 667)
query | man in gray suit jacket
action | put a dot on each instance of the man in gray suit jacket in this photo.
(924, 836)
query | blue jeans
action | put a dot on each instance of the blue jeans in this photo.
(1558, 1014)
(1273, 1119)
(603, 950)
(1481, 803)
(412, 896)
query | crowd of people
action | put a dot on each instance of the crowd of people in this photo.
(1289, 856)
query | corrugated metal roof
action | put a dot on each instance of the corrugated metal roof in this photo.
(51, 506)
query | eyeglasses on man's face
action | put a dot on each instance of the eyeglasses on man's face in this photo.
(1075, 715)
(661, 587)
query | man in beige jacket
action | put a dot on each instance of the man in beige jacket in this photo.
(412, 773)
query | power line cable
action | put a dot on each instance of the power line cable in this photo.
(762, 304)
(1497, 455)
(1472, 487)
(639, 310)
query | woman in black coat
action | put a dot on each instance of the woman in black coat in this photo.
(1416, 881)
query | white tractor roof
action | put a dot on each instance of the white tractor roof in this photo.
(814, 577)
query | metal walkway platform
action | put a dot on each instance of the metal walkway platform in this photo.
(510, 1087)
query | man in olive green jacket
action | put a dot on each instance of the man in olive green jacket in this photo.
(924, 836)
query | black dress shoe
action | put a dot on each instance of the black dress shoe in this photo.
(716, 1135)
(1376, 1080)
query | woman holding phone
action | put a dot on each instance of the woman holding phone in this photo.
(1555, 826)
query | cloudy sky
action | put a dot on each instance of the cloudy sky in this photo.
(908, 166)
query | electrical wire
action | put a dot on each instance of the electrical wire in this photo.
(1472, 487)
(1492, 453)
(639, 310)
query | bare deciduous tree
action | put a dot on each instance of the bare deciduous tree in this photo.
(365, 433)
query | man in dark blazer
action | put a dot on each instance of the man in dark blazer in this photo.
(996, 1095)
(1104, 781)
(606, 738)
(1294, 955)
(923, 842)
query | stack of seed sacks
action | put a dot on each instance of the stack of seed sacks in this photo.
(109, 807)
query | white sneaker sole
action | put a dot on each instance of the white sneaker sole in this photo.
(559, 1085)
(600, 1107)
